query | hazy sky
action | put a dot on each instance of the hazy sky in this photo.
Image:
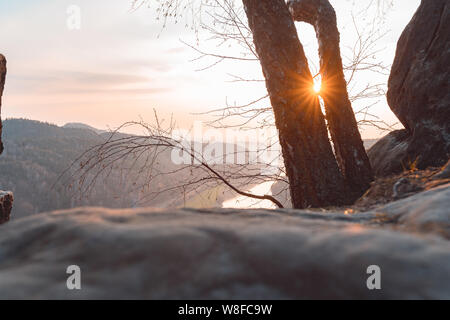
(116, 68)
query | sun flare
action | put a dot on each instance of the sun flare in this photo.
(317, 86)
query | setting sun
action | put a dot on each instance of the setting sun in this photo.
(317, 86)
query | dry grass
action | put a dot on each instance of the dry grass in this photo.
(412, 180)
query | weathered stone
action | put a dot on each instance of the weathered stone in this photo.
(389, 155)
(232, 254)
(418, 93)
(2, 85)
(418, 90)
(6, 201)
(404, 188)
(445, 172)
(6, 197)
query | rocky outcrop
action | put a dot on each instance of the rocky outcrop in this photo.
(444, 173)
(6, 198)
(2, 85)
(418, 93)
(6, 201)
(390, 154)
(231, 253)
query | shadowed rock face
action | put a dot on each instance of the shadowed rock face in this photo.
(230, 253)
(445, 172)
(418, 93)
(2, 85)
(6, 201)
(385, 154)
(418, 90)
(6, 198)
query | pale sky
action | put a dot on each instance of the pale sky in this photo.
(116, 68)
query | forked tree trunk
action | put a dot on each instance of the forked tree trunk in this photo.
(2, 85)
(313, 174)
(350, 152)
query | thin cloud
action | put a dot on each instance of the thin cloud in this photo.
(75, 81)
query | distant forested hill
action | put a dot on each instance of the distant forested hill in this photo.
(35, 154)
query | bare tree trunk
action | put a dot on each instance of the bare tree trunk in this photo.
(312, 170)
(350, 152)
(2, 85)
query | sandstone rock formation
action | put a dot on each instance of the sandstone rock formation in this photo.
(6, 198)
(418, 94)
(390, 154)
(2, 85)
(231, 253)
(6, 201)
(445, 172)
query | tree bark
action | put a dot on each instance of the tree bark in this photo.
(314, 177)
(349, 148)
(2, 85)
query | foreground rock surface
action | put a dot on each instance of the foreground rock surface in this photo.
(229, 253)
(419, 94)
